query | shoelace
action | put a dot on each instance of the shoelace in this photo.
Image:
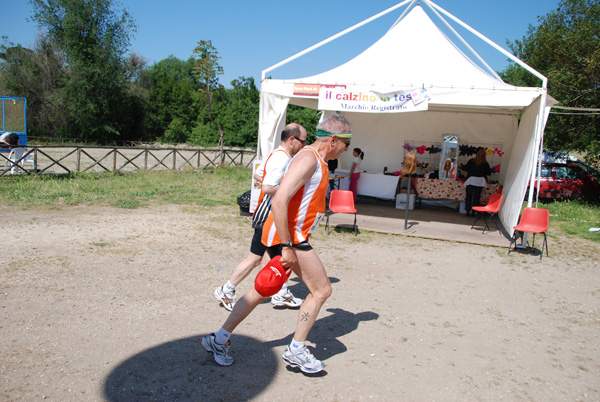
(306, 355)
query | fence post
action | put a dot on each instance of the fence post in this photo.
(114, 160)
(146, 159)
(78, 168)
(174, 160)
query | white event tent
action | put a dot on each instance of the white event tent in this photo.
(450, 94)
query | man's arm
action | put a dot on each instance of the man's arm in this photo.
(274, 172)
(270, 190)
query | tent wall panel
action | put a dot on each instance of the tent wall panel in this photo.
(519, 167)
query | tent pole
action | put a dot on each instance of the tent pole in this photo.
(539, 135)
(323, 42)
(491, 70)
(407, 203)
(489, 42)
(403, 14)
(539, 139)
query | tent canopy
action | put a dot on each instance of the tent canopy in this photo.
(455, 95)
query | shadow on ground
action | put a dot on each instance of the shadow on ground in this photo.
(181, 370)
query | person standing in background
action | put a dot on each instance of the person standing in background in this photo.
(477, 172)
(355, 171)
(332, 164)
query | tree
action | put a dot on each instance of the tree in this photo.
(38, 75)
(207, 71)
(92, 38)
(173, 100)
(309, 118)
(565, 47)
(242, 112)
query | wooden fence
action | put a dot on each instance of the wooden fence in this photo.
(64, 159)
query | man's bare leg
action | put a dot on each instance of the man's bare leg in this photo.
(245, 267)
(242, 308)
(311, 271)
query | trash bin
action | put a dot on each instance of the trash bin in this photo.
(244, 203)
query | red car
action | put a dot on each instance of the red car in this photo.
(567, 181)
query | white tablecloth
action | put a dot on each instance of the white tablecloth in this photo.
(377, 185)
(372, 184)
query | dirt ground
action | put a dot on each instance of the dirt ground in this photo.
(109, 304)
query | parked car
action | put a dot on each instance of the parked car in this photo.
(567, 181)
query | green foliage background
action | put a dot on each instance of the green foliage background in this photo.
(565, 47)
(83, 86)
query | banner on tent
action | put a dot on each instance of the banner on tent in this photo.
(311, 89)
(356, 100)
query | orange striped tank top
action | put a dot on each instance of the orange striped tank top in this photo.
(306, 208)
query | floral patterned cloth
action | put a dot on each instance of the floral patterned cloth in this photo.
(434, 189)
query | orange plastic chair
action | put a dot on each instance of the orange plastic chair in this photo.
(533, 220)
(492, 208)
(341, 201)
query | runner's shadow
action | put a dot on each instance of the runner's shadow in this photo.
(181, 370)
(326, 331)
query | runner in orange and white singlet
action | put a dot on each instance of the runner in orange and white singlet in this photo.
(281, 159)
(296, 209)
(269, 174)
(305, 209)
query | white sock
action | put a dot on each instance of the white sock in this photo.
(296, 346)
(283, 290)
(228, 288)
(222, 336)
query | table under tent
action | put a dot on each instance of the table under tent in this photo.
(396, 106)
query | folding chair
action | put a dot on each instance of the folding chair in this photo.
(341, 201)
(491, 208)
(534, 220)
(15, 160)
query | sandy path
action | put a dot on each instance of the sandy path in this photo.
(109, 304)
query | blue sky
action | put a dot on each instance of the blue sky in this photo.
(251, 36)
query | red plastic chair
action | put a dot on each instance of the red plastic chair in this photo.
(533, 220)
(341, 201)
(498, 190)
(492, 208)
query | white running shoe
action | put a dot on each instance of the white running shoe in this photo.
(220, 352)
(303, 360)
(287, 300)
(228, 299)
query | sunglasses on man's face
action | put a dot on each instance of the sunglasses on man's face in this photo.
(303, 142)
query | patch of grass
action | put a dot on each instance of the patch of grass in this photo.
(126, 190)
(197, 189)
(127, 204)
(575, 218)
